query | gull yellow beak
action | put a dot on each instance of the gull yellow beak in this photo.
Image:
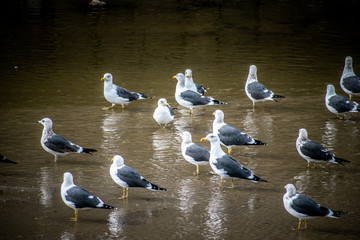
(203, 139)
(102, 79)
(174, 77)
(180, 135)
(188, 76)
(213, 113)
(167, 104)
(112, 159)
(285, 187)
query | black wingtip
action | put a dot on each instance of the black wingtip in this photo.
(257, 179)
(219, 102)
(108, 207)
(257, 142)
(338, 213)
(278, 96)
(89, 150)
(340, 160)
(6, 160)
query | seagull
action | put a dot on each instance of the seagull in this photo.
(313, 151)
(305, 208)
(231, 136)
(58, 145)
(256, 91)
(117, 95)
(163, 114)
(78, 198)
(191, 99)
(127, 177)
(193, 153)
(189, 83)
(349, 82)
(4, 159)
(226, 166)
(338, 104)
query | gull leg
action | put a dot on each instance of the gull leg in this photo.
(299, 224)
(253, 104)
(127, 192)
(305, 224)
(56, 158)
(191, 111)
(123, 106)
(232, 183)
(229, 151)
(108, 108)
(74, 219)
(221, 183)
(349, 97)
(197, 169)
(124, 194)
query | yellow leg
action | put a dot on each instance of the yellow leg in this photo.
(229, 151)
(123, 106)
(221, 183)
(232, 183)
(108, 108)
(197, 170)
(305, 224)
(253, 104)
(74, 219)
(299, 224)
(124, 194)
(127, 192)
(349, 97)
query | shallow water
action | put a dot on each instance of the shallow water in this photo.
(54, 54)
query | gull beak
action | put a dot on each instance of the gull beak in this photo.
(180, 135)
(102, 79)
(213, 114)
(188, 76)
(167, 104)
(174, 77)
(203, 139)
(284, 187)
(112, 159)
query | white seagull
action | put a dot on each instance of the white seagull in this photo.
(78, 198)
(163, 114)
(58, 145)
(349, 82)
(127, 177)
(189, 83)
(193, 153)
(305, 208)
(338, 104)
(313, 151)
(117, 95)
(190, 99)
(231, 136)
(256, 91)
(226, 166)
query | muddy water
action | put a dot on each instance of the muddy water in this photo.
(53, 56)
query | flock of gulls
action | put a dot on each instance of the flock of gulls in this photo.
(191, 95)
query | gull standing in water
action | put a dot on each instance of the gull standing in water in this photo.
(256, 91)
(349, 82)
(118, 95)
(58, 145)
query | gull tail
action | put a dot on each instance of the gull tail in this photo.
(340, 160)
(155, 187)
(88, 150)
(336, 214)
(108, 207)
(218, 102)
(278, 96)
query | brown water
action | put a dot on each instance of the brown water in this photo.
(53, 56)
